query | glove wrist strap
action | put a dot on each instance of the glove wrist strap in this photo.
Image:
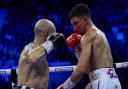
(68, 84)
(48, 46)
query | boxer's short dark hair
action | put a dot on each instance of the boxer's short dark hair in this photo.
(80, 10)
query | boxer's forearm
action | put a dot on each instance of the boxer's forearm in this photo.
(35, 54)
(41, 51)
(76, 75)
(72, 80)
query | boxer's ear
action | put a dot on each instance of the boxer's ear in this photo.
(85, 18)
(47, 33)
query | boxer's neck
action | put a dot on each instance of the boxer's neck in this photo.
(89, 26)
(39, 40)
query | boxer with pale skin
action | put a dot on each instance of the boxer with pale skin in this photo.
(33, 69)
(95, 57)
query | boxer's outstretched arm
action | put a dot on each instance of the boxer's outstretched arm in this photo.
(53, 40)
(41, 51)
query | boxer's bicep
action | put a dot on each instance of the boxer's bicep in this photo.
(23, 58)
(21, 65)
(23, 55)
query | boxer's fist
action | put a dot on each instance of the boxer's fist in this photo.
(73, 41)
(57, 39)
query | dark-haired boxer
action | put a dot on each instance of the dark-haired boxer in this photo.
(95, 56)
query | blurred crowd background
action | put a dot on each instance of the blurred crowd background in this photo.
(18, 17)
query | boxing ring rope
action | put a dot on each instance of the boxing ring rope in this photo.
(66, 68)
(72, 68)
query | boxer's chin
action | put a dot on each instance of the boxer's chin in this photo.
(77, 31)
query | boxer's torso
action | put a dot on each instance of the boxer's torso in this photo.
(100, 52)
(37, 75)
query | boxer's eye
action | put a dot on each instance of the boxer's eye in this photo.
(75, 23)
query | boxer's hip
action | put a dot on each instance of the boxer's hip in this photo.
(104, 78)
(103, 73)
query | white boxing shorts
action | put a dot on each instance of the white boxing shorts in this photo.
(103, 78)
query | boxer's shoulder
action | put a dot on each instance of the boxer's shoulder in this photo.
(88, 37)
(29, 46)
(23, 55)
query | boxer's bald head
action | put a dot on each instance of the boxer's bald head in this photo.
(44, 27)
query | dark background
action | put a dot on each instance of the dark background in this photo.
(18, 17)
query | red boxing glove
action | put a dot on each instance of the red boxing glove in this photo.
(73, 41)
